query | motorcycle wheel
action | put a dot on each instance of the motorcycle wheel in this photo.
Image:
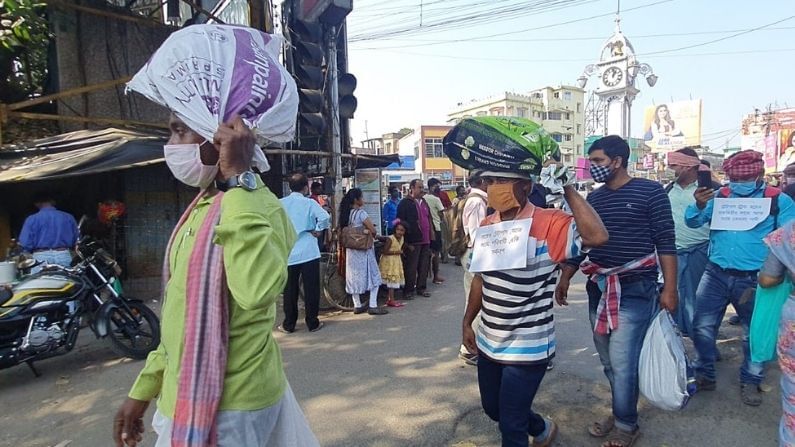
(135, 335)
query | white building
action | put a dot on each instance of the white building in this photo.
(560, 110)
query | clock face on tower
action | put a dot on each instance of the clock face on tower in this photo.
(612, 76)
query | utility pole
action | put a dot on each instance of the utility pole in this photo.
(336, 143)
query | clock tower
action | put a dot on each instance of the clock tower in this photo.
(616, 72)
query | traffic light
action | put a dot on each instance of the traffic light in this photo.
(346, 85)
(306, 61)
(348, 102)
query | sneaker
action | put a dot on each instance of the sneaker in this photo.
(281, 328)
(377, 311)
(703, 384)
(318, 327)
(360, 310)
(550, 365)
(750, 394)
(469, 359)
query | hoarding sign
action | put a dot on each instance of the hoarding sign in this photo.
(673, 125)
(786, 139)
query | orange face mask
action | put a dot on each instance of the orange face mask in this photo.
(501, 197)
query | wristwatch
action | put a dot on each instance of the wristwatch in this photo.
(247, 180)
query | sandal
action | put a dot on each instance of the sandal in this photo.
(621, 438)
(553, 433)
(394, 304)
(600, 429)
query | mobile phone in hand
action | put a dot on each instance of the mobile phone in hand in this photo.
(704, 179)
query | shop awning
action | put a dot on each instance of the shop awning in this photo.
(87, 152)
(82, 152)
(375, 161)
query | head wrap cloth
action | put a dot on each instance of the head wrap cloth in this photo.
(206, 74)
(744, 165)
(500, 146)
(686, 161)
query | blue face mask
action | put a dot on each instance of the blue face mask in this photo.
(743, 188)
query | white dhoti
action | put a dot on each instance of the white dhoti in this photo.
(282, 424)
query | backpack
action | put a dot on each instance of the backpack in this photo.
(460, 241)
(770, 192)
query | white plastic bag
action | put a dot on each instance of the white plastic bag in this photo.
(205, 74)
(663, 370)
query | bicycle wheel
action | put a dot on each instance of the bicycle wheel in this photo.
(333, 284)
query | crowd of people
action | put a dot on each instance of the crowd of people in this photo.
(649, 248)
(218, 373)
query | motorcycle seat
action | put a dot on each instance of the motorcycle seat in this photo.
(5, 295)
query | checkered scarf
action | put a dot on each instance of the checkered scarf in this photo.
(203, 362)
(609, 284)
(744, 165)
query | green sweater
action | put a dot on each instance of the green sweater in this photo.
(257, 237)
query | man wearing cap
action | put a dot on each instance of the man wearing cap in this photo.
(623, 293)
(734, 261)
(692, 244)
(516, 338)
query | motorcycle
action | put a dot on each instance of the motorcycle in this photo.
(42, 315)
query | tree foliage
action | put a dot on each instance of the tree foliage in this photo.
(24, 39)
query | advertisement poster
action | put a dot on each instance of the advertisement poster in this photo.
(786, 144)
(771, 152)
(369, 181)
(672, 125)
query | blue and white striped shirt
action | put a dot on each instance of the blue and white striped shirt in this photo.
(516, 321)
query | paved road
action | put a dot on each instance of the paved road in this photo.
(393, 380)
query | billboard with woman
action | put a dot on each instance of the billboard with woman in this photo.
(673, 125)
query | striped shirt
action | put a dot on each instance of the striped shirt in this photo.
(516, 322)
(638, 219)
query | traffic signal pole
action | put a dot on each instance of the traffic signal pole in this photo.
(336, 141)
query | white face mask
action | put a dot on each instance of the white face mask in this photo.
(184, 161)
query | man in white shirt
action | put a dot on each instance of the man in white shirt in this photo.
(309, 220)
(437, 208)
(474, 212)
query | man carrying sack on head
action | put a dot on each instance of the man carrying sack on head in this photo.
(217, 372)
(512, 293)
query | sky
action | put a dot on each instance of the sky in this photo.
(410, 74)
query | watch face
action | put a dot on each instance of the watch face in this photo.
(612, 76)
(248, 180)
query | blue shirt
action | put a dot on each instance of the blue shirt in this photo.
(307, 216)
(390, 212)
(638, 219)
(740, 250)
(49, 229)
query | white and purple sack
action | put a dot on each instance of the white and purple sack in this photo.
(205, 74)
